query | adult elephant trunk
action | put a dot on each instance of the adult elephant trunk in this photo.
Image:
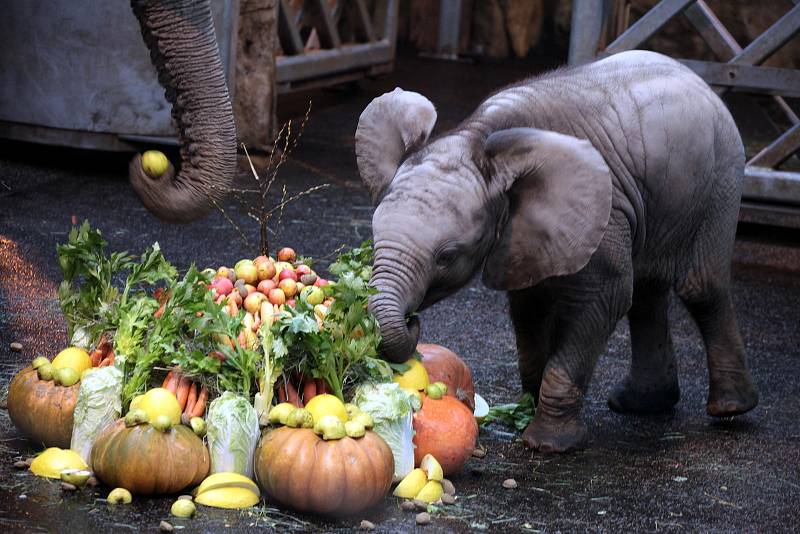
(183, 48)
(397, 296)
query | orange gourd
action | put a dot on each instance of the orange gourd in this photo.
(41, 410)
(146, 461)
(446, 429)
(339, 477)
(444, 365)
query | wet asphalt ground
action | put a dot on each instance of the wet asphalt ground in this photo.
(683, 471)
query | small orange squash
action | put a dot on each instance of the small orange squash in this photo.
(339, 477)
(444, 365)
(446, 429)
(41, 410)
(146, 461)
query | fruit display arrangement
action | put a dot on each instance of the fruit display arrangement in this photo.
(260, 381)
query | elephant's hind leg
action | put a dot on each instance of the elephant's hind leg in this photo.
(705, 289)
(731, 390)
(652, 382)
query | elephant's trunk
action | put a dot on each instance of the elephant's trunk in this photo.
(183, 47)
(398, 295)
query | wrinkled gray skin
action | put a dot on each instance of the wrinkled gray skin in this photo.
(587, 193)
(183, 48)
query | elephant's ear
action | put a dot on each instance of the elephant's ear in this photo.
(559, 202)
(391, 126)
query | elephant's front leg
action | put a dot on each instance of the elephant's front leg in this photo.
(587, 310)
(533, 319)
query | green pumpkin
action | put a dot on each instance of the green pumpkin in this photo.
(146, 461)
(42, 410)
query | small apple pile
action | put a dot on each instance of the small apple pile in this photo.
(264, 286)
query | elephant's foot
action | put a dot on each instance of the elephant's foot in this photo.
(732, 395)
(556, 426)
(627, 398)
(551, 436)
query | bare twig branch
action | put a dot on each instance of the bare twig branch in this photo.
(254, 202)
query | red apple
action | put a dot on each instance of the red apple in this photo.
(223, 286)
(222, 272)
(250, 288)
(260, 259)
(321, 282)
(253, 302)
(287, 254)
(265, 269)
(247, 271)
(302, 269)
(287, 274)
(277, 296)
(265, 286)
(236, 297)
(288, 286)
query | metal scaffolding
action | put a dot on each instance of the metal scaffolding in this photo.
(770, 194)
(354, 39)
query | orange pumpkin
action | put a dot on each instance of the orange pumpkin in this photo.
(41, 410)
(444, 365)
(146, 461)
(446, 429)
(299, 469)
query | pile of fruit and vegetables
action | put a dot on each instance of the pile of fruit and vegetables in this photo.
(257, 382)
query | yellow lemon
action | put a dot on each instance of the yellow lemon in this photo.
(135, 402)
(231, 498)
(74, 358)
(54, 460)
(411, 485)
(154, 163)
(326, 404)
(416, 378)
(159, 401)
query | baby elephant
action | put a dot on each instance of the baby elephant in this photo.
(587, 193)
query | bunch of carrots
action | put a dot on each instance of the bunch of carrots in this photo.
(191, 396)
(103, 354)
(307, 389)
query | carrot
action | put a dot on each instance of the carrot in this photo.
(190, 402)
(104, 346)
(281, 391)
(160, 311)
(322, 386)
(183, 391)
(292, 396)
(309, 390)
(110, 356)
(191, 399)
(96, 357)
(106, 362)
(199, 407)
(165, 383)
(172, 385)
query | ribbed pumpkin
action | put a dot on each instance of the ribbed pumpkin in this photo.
(339, 477)
(444, 365)
(146, 461)
(446, 429)
(41, 410)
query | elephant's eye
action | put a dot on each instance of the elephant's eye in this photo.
(446, 257)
